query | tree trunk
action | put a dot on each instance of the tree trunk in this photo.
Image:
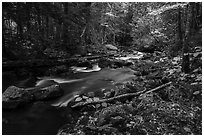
(28, 16)
(19, 21)
(180, 43)
(88, 25)
(65, 29)
(47, 27)
(39, 17)
(4, 51)
(199, 13)
(58, 32)
(185, 49)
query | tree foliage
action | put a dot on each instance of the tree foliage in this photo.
(73, 27)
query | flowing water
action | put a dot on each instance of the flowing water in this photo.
(44, 117)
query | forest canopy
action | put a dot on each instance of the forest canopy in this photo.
(31, 28)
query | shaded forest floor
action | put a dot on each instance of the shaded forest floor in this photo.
(175, 109)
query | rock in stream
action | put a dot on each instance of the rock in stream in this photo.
(14, 97)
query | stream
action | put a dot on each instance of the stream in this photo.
(42, 118)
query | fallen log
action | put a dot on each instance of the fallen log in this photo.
(81, 104)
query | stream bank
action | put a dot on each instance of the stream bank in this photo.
(148, 113)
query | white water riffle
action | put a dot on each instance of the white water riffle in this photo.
(137, 55)
(84, 69)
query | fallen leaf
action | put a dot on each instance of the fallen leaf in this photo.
(187, 129)
(132, 122)
(98, 105)
(196, 54)
(89, 100)
(104, 104)
(84, 97)
(196, 70)
(195, 83)
(95, 99)
(78, 99)
(128, 125)
(196, 93)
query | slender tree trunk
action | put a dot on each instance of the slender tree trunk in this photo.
(180, 43)
(47, 27)
(19, 22)
(87, 17)
(65, 29)
(199, 13)
(28, 6)
(39, 18)
(185, 49)
(58, 32)
(4, 51)
(194, 24)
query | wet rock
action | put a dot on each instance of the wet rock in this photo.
(14, 97)
(47, 93)
(111, 47)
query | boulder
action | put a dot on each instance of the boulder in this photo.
(147, 44)
(47, 93)
(14, 97)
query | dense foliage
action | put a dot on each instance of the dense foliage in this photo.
(72, 27)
